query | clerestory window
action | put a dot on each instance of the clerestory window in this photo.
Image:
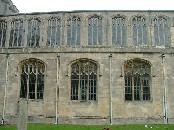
(161, 31)
(3, 29)
(139, 31)
(32, 79)
(118, 31)
(33, 32)
(53, 32)
(95, 30)
(84, 81)
(73, 31)
(16, 33)
(137, 80)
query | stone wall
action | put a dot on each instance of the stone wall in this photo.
(89, 112)
(7, 7)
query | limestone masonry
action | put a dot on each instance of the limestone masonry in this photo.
(87, 67)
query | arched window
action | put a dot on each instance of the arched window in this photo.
(118, 31)
(73, 31)
(3, 29)
(139, 31)
(161, 31)
(137, 80)
(53, 32)
(16, 33)
(32, 79)
(33, 32)
(95, 30)
(83, 80)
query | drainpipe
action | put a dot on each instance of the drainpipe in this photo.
(165, 113)
(110, 87)
(5, 89)
(57, 87)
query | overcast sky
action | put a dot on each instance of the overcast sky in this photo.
(26, 6)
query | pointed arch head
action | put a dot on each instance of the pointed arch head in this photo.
(83, 61)
(137, 60)
(137, 66)
(33, 62)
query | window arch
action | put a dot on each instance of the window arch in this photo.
(73, 31)
(95, 30)
(33, 32)
(32, 79)
(16, 33)
(3, 29)
(53, 31)
(161, 31)
(84, 80)
(118, 31)
(139, 31)
(137, 75)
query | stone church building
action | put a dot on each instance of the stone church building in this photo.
(87, 67)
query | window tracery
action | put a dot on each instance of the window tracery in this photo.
(161, 31)
(32, 79)
(33, 32)
(139, 31)
(95, 30)
(73, 31)
(3, 29)
(16, 33)
(83, 81)
(118, 31)
(53, 31)
(137, 74)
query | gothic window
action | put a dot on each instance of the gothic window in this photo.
(95, 30)
(139, 31)
(53, 32)
(33, 32)
(137, 80)
(73, 31)
(16, 33)
(32, 79)
(161, 31)
(84, 81)
(3, 29)
(118, 31)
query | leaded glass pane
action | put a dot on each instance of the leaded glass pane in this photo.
(33, 33)
(83, 81)
(3, 28)
(73, 31)
(118, 31)
(16, 33)
(32, 79)
(161, 31)
(95, 30)
(137, 80)
(139, 31)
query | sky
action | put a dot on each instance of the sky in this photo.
(28, 6)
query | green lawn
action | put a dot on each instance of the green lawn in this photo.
(91, 127)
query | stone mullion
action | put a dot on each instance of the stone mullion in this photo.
(28, 81)
(87, 93)
(79, 82)
(132, 67)
(7, 34)
(129, 34)
(25, 32)
(36, 82)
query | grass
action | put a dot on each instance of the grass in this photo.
(91, 127)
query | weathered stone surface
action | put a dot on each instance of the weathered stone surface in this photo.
(90, 112)
(22, 115)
